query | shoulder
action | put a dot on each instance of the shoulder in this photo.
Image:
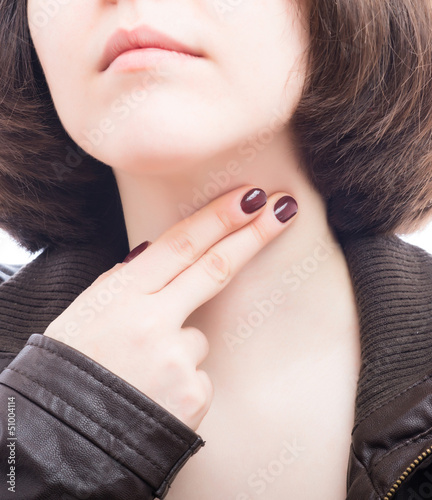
(8, 270)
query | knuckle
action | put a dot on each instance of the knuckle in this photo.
(174, 357)
(183, 246)
(207, 383)
(200, 338)
(260, 232)
(217, 266)
(207, 390)
(205, 344)
(150, 325)
(195, 400)
(224, 220)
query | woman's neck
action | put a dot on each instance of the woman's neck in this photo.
(302, 274)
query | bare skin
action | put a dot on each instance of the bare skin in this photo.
(284, 390)
(284, 397)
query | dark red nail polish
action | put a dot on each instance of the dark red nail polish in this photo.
(253, 200)
(285, 208)
(136, 251)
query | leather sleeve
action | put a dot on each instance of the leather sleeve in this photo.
(72, 430)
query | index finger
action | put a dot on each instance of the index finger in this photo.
(225, 259)
(184, 243)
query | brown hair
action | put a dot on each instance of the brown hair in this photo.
(364, 121)
(362, 124)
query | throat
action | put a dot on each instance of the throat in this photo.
(286, 318)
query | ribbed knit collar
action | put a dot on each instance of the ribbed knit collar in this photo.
(393, 286)
(392, 282)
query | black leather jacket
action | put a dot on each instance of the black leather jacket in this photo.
(70, 429)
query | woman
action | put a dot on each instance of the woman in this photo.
(269, 151)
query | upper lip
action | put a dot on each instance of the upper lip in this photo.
(141, 37)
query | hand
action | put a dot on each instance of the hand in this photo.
(138, 335)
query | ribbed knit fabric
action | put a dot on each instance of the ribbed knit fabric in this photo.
(7, 270)
(44, 288)
(392, 282)
(40, 291)
(393, 285)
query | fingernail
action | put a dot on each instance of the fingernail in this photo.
(136, 251)
(253, 200)
(285, 208)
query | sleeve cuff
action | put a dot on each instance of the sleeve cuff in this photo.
(122, 421)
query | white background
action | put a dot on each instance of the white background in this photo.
(11, 253)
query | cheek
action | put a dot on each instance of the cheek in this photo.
(263, 57)
(60, 41)
(66, 82)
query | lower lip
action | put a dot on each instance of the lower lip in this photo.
(139, 59)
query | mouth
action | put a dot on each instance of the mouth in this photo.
(142, 46)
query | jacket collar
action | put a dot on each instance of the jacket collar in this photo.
(391, 437)
(393, 285)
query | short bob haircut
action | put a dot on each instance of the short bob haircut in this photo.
(363, 124)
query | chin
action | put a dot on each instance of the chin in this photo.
(159, 152)
(154, 154)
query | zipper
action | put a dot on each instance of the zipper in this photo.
(415, 463)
